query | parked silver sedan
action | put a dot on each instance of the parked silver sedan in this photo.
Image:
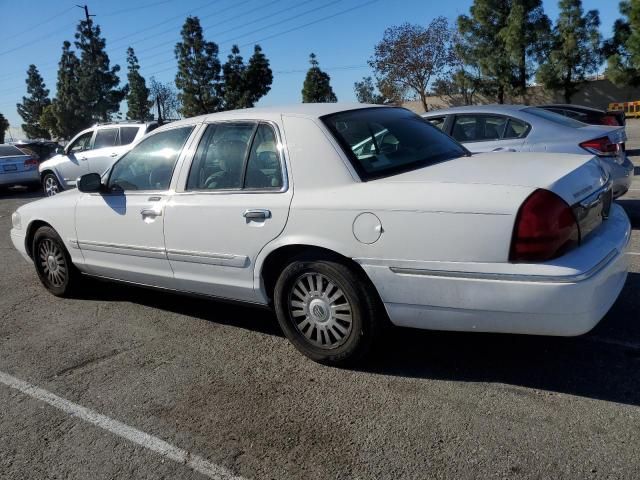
(520, 128)
(17, 167)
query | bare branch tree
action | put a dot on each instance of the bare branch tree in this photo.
(412, 56)
(165, 100)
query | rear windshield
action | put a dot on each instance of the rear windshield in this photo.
(387, 141)
(555, 117)
(10, 151)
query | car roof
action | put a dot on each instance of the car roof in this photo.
(308, 110)
(495, 108)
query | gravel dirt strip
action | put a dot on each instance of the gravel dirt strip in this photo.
(132, 383)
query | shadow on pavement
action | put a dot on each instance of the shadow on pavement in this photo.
(18, 192)
(632, 207)
(604, 364)
(239, 315)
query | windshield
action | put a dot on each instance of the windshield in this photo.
(555, 117)
(10, 151)
(385, 141)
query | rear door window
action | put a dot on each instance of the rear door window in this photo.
(106, 137)
(128, 134)
(437, 122)
(516, 129)
(478, 128)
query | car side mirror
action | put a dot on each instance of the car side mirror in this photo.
(90, 183)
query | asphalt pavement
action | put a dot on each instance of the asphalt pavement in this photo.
(131, 383)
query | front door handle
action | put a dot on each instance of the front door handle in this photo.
(113, 155)
(257, 214)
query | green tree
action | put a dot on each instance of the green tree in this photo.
(623, 50)
(376, 93)
(198, 77)
(67, 113)
(317, 85)
(32, 106)
(258, 77)
(243, 85)
(4, 126)
(413, 56)
(526, 37)
(575, 50)
(138, 103)
(97, 81)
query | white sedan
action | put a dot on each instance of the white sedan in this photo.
(342, 217)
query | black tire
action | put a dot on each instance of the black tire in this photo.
(304, 333)
(50, 185)
(53, 263)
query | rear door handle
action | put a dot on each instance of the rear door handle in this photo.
(150, 212)
(257, 214)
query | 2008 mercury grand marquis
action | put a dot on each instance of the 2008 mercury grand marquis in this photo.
(341, 217)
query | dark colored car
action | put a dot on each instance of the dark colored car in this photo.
(591, 116)
(43, 149)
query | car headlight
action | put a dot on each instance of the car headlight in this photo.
(16, 221)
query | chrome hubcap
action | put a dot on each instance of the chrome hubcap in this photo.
(320, 311)
(52, 262)
(50, 186)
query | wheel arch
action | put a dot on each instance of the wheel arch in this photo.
(33, 227)
(278, 258)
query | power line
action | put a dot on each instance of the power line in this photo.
(33, 27)
(133, 9)
(47, 36)
(328, 17)
(274, 24)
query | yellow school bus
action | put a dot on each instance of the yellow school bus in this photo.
(631, 109)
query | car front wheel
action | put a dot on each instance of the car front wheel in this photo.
(327, 311)
(50, 185)
(53, 263)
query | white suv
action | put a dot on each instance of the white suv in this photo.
(93, 150)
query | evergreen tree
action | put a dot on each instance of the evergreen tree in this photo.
(198, 77)
(482, 43)
(317, 87)
(575, 51)
(97, 81)
(32, 106)
(137, 92)
(623, 50)
(233, 75)
(526, 38)
(258, 77)
(67, 114)
(4, 126)
(243, 85)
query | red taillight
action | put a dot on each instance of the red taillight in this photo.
(600, 146)
(30, 163)
(545, 228)
(610, 120)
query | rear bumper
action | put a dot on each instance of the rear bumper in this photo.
(565, 297)
(19, 178)
(621, 175)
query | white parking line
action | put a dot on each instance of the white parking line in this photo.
(134, 435)
(633, 253)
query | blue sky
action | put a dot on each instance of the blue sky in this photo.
(342, 33)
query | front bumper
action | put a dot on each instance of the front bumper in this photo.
(27, 177)
(567, 296)
(18, 240)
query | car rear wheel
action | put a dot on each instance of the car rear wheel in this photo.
(50, 185)
(327, 311)
(53, 263)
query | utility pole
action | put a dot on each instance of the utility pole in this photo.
(86, 11)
